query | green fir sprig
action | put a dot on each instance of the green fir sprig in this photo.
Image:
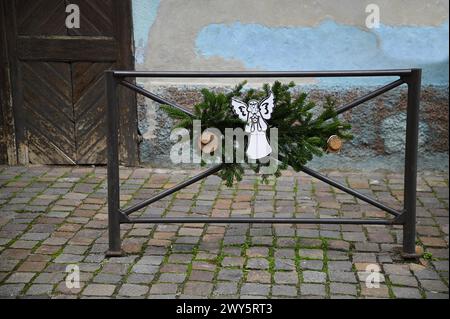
(303, 128)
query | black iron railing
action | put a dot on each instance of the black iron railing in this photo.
(405, 217)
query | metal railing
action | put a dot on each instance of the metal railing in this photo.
(405, 217)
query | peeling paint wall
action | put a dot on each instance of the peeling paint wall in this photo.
(144, 14)
(298, 35)
(330, 46)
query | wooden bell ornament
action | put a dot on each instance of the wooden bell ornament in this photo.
(334, 144)
(208, 142)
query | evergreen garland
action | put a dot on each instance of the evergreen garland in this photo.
(301, 134)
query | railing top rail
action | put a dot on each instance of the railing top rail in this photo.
(261, 74)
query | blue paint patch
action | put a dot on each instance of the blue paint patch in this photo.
(331, 46)
(144, 14)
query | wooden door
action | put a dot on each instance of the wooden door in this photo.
(57, 77)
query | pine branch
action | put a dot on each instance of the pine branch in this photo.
(174, 112)
(301, 135)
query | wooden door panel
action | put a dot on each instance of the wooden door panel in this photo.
(53, 78)
(67, 49)
(41, 17)
(58, 83)
(3, 149)
(42, 150)
(96, 19)
(86, 74)
(89, 108)
(48, 112)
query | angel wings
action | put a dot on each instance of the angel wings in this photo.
(255, 113)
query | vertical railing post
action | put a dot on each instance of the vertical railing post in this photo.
(113, 166)
(412, 135)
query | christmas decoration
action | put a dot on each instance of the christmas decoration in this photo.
(304, 129)
(255, 114)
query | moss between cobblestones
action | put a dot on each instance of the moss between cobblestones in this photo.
(10, 243)
(30, 225)
(389, 286)
(297, 261)
(271, 260)
(146, 245)
(442, 234)
(59, 252)
(325, 265)
(218, 259)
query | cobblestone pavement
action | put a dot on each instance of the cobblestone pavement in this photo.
(51, 217)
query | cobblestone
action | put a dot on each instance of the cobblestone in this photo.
(99, 290)
(132, 290)
(54, 216)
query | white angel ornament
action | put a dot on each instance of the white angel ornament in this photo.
(255, 114)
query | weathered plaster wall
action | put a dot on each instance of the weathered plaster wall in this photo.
(301, 35)
(378, 126)
(330, 45)
(290, 34)
(144, 14)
